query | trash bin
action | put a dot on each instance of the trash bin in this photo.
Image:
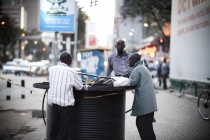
(99, 113)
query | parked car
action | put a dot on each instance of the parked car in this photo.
(38, 68)
(23, 68)
(9, 67)
(18, 60)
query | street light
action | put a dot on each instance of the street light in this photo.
(26, 42)
(2, 23)
(130, 33)
(23, 34)
(35, 42)
(146, 25)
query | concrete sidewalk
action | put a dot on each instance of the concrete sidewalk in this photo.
(177, 119)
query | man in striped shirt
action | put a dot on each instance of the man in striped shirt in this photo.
(62, 79)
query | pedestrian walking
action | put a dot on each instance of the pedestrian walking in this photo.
(165, 72)
(159, 74)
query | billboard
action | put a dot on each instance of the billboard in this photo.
(92, 62)
(190, 39)
(57, 16)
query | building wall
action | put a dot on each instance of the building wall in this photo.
(32, 8)
(14, 12)
(190, 33)
(31, 12)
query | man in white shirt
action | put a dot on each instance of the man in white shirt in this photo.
(62, 79)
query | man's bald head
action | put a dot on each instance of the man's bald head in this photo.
(66, 58)
(135, 57)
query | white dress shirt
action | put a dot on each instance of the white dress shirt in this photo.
(62, 79)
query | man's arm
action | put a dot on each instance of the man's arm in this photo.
(134, 77)
(109, 67)
(78, 84)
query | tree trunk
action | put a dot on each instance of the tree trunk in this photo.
(4, 53)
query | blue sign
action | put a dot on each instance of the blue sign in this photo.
(92, 62)
(57, 15)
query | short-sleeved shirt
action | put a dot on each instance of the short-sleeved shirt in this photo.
(119, 64)
(62, 79)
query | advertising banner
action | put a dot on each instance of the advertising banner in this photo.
(92, 62)
(57, 15)
(190, 39)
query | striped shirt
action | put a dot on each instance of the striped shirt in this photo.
(62, 79)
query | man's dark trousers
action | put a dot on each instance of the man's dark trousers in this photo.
(144, 126)
(61, 117)
(165, 76)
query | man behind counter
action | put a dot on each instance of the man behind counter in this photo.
(144, 103)
(118, 61)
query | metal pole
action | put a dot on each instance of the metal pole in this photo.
(75, 33)
(19, 52)
(23, 90)
(8, 90)
(55, 48)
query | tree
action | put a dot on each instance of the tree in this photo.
(7, 33)
(82, 17)
(158, 11)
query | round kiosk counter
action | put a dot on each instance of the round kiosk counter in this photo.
(99, 113)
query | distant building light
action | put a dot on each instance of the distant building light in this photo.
(146, 25)
(132, 30)
(35, 42)
(130, 34)
(124, 39)
(161, 40)
(23, 34)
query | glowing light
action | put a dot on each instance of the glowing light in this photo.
(2, 23)
(130, 34)
(35, 42)
(146, 25)
(132, 30)
(152, 54)
(43, 49)
(23, 47)
(23, 34)
(124, 39)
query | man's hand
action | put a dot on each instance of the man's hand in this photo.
(109, 82)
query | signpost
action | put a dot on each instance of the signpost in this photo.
(58, 16)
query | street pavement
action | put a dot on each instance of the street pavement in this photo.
(177, 117)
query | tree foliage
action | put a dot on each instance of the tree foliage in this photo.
(82, 17)
(7, 32)
(158, 11)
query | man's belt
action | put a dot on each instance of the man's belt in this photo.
(122, 76)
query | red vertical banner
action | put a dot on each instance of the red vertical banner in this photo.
(92, 41)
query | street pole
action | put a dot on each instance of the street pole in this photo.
(75, 34)
(19, 52)
(55, 48)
